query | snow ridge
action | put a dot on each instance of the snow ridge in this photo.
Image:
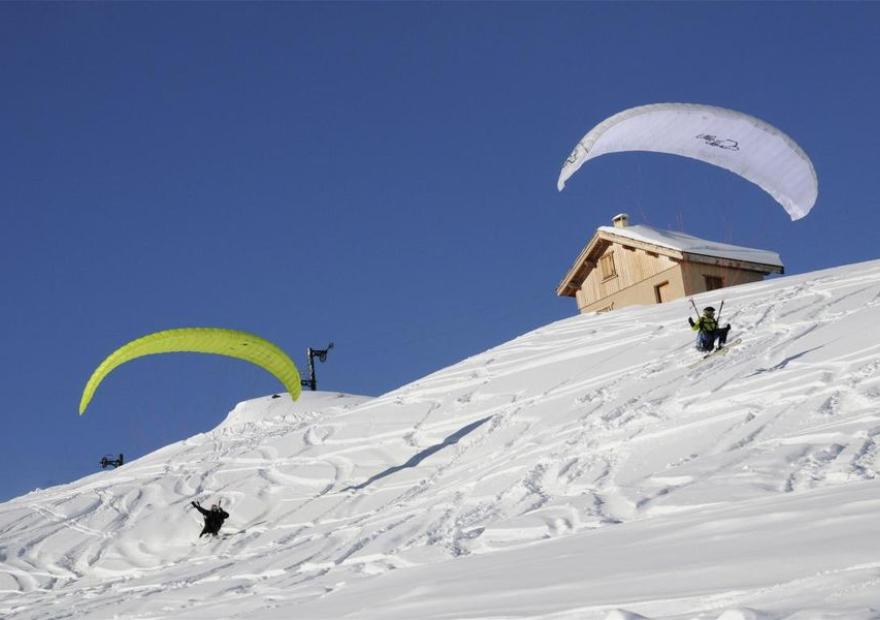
(583, 470)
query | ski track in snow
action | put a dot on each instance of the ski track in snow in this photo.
(580, 426)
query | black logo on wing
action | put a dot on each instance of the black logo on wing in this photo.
(722, 143)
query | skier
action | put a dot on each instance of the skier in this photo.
(709, 331)
(214, 518)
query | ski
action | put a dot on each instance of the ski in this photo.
(721, 351)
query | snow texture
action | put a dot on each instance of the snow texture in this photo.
(581, 471)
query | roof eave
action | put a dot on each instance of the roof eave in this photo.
(582, 264)
(648, 246)
(705, 259)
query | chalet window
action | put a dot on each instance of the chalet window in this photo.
(661, 292)
(606, 264)
(713, 282)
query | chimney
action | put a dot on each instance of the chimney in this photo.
(621, 220)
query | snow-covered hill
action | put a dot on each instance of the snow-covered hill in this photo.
(588, 469)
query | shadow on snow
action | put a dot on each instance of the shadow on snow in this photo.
(421, 456)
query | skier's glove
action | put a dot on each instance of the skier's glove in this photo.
(691, 321)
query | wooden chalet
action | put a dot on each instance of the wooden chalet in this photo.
(625, 265)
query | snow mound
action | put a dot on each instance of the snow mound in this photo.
(281, 406)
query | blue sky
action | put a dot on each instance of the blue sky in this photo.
(380, 175)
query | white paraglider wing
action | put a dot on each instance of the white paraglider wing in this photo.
(740, 143)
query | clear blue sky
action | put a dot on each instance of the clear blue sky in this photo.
(380, 175)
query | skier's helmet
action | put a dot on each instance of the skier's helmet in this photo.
(709, 310)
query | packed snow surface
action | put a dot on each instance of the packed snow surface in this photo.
(595, 468)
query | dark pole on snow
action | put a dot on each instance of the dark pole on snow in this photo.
(321, 354)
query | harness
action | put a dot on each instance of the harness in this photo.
(707, 324)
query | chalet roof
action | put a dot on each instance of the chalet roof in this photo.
(694, 245)
(676, 245)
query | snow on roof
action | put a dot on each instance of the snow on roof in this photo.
(693, 245)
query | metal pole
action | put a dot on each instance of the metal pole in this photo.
(321, 354)
(313, 382)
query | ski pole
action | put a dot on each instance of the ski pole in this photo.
(720, 310)
(695, 307)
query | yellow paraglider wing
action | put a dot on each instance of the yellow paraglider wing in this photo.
(228, 342)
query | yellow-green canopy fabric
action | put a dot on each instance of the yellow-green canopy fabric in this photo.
(218, 341)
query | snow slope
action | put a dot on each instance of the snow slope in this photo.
(588, 469)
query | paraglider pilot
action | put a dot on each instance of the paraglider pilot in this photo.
(214, 518)
(106, 461)
(709, 331)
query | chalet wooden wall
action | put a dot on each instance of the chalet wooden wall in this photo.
(641, 293)
(635, 267)
(694, 280)
(618, 269)
(638, 274)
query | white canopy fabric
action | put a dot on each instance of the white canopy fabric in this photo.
(740, 143)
